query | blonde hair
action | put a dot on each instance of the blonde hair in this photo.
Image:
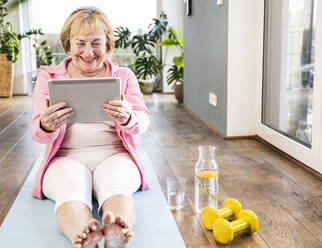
(83, 21)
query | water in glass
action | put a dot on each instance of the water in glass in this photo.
(176, 199)
(175, 190)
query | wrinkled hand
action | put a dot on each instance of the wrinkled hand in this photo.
(119, 110)
(54, 116)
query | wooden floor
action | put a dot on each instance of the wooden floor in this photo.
(286, 198)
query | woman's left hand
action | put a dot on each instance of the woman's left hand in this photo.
(119, 110)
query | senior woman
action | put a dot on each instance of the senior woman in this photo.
(85, 158)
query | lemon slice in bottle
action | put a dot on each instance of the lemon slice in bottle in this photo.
(207, 174)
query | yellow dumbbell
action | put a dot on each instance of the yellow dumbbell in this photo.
(224, 230)
(230, 210)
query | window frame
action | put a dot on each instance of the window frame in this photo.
(312, 157)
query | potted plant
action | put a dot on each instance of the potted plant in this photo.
(147, 66)
(9, 50)
(175, 72)
(147, 69)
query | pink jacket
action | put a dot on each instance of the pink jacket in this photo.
(138, 124)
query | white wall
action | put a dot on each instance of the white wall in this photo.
(174, 11)
(245, 47)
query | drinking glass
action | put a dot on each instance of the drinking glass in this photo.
(175, 190)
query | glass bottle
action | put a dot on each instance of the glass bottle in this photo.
(206, 179)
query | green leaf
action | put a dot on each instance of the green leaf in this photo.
(178, 61)
(122, 37)
(167, 42)
(180, 40)
(174, 73)
(157, 29)
(172, 30)
(146, 67)
(142, 44)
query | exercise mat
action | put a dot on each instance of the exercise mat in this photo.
(31, 222)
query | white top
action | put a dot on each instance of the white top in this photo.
(90, 143)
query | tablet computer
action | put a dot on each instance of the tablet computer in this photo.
(85, 95)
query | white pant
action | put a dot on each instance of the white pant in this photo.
(67, 179)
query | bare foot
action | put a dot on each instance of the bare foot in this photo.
(116, 231)
(89, 238)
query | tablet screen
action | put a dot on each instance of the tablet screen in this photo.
(85, 95)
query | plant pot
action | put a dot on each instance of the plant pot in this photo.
(146, 86)
(6, 76)
(178, 91)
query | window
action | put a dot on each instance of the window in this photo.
(50, 17)
(288, 71)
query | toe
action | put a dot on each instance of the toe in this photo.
(76, 245)
(129, 233)
(118, 219)
(93, 225)
(80, 236)
(86, 229)
(108, 219)
(76, 240)
(124, 224)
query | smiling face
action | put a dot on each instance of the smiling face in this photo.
(88, 51)
(87, 36)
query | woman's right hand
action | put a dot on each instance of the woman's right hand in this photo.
(54, 116)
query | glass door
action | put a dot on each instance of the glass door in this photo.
(291, 98)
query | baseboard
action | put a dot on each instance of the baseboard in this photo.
(203, 121)
(20, 94)
(288, 157)
(165, 93)
(223, 136)
(240, 137)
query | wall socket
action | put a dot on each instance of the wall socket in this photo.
(212, 99)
